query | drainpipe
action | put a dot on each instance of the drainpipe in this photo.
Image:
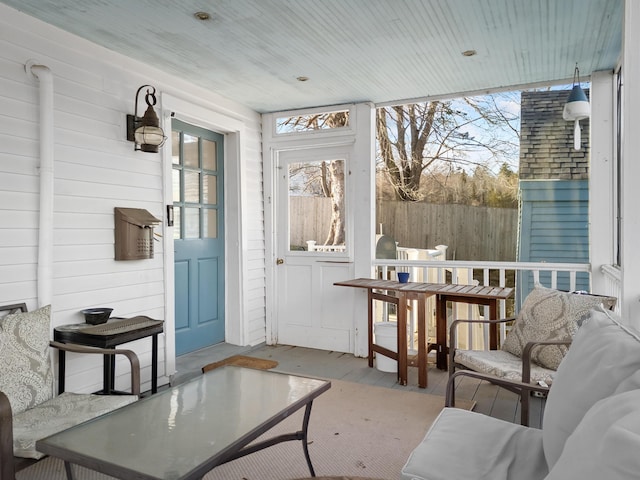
(45, 227)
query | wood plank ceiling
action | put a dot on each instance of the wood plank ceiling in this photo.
(383, 51)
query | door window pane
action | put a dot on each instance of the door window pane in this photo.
(191, 187)
(191, 222)
(190, 151)
(316, 206)
(210, 223)
(175, 148)
(175, 180)
(209, 159)
(209, 195)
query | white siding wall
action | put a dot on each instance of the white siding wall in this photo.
(255, 285)
(95, 170)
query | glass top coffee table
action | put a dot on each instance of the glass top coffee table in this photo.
(185, 431)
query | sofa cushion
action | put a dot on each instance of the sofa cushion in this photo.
(604, 359)
(501, 364)
(548, 314)
(463, 444)
(57, 414)
(25, 363)
(606, 442)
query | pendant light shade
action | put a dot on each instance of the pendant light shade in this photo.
(577, 108)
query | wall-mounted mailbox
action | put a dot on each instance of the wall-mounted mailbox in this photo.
(134, 233)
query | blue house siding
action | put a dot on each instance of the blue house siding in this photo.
(554, 228)
(554, 191)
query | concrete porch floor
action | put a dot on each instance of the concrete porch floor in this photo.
(490, 400)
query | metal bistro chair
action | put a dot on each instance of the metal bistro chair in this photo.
(29, 410)
(535, 345)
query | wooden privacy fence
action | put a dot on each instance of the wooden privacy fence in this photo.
(471, 233)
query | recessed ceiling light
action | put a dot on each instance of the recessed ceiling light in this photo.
(202, 16)
(469, 53)
(302, 78)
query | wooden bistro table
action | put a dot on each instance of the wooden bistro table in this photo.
(474, 294)
(399, 294)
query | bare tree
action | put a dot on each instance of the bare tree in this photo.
(415, 138)
(328, 175)
(336, 229)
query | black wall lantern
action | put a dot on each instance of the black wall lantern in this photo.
(145, 131)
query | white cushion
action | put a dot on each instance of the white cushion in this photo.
(25, 362)
(466, 445)
(548, 314)
(604, 359)
(501, 364)
(57, 414)
(605, 444)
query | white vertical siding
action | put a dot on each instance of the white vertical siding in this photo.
(95, 170)
(256, 269)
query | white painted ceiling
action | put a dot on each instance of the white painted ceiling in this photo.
(382, 51)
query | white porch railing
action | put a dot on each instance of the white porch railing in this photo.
(493, 273)
(613, 283)
(408, 253)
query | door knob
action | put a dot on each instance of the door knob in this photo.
(279, 261)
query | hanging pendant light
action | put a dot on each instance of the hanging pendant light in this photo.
(577, 108)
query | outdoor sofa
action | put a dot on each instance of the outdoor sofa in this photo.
(591, 423)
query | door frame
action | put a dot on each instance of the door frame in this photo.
(234, 131)
(360, 133)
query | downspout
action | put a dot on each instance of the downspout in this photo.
(45, 227)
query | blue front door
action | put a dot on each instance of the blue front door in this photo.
(198, 236)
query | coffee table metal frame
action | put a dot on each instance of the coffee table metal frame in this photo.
(155, 439)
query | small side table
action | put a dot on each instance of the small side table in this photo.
(108, 335)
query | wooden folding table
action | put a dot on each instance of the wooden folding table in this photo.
(399, 294)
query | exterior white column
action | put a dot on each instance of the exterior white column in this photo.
(364, 217)
(631, 163)
(602, 221)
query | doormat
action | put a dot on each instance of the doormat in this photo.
(242, 361)
(339, 478)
